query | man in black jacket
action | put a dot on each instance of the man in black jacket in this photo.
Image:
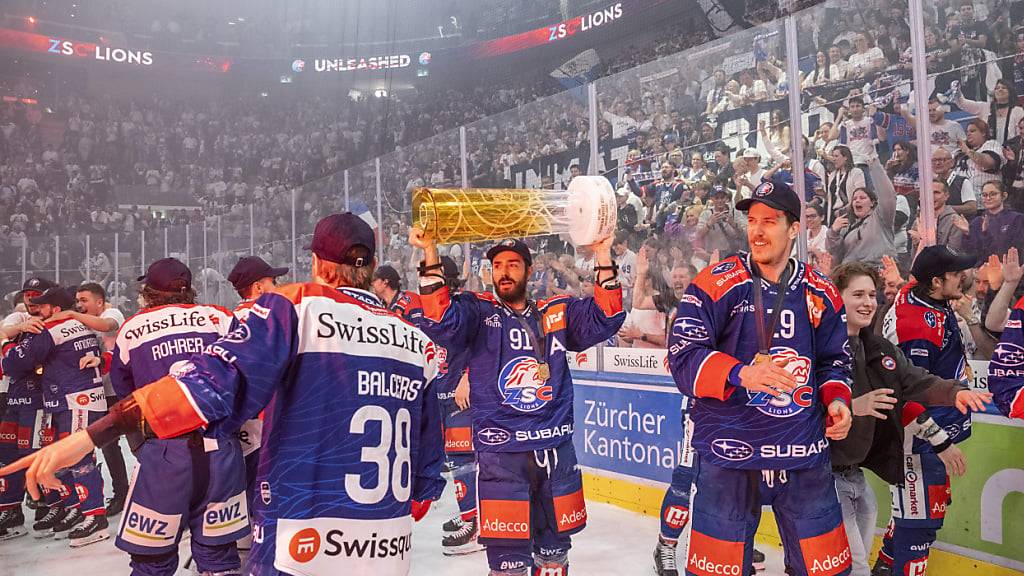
(884, 383)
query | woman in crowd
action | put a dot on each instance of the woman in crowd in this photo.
(865, 232)
(1013, 168)
(997, 229)
(883, 382)
(696, 171)
(1002, 113)
(823, 73)
(980, 159)
(653, 302)
(902, 170)
(840, 182)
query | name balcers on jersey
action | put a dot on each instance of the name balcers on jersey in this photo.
(65, 386)
(514, 409)
(352, 436)
(928, 334)
(1006, 370)
(715, 329)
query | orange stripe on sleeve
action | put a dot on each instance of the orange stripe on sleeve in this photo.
(610, 301)
(167, 408)
(713, 375)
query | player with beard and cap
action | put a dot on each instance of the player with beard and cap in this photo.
(760, 345)
(22, 419)
(529, 485)
(352, 436)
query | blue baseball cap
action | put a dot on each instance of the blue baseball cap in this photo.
(167, 275)
(336, 234)
(250, 269)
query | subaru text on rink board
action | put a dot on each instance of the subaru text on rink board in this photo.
(715, 330)
(1006, 370)
(352, 428)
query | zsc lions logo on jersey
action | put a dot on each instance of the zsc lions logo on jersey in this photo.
(723, 268)
(792, 403)
(521, 387)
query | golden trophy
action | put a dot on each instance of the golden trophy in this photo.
(587, 212)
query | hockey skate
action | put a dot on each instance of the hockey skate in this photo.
(12, 523)
(881, 569)
(665, 559)
(453, 525)
(43, 527)
(462, 541)
(71, 519)
(92, 529)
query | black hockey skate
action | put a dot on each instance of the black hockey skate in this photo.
(665, 559)
(92, 529)
(71, 519)
(463, 541)
(758, 560)
(12, 523)
(43, 527)
(453, 525)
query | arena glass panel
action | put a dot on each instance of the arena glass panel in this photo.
(435, 162)
(11, 259)
(131, 263)
(40, 258)
(72, 259)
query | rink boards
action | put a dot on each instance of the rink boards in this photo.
(628, 439)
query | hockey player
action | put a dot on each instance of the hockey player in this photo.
(103, 319)
(196, 481)
(529, 485)
(461, 532)
(928, 335)
(73, 397)
(1006, 370)
(252, 277)
(760, 343)
(352, 449)
(23, 420)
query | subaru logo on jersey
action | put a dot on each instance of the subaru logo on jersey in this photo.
(690, 328)
(1007, 354)
(723, 268)
(929, 319)
(493, 436)
(788, 404)
(732, 449)
(521, 386)
(888, 363)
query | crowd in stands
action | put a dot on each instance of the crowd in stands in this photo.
(683, 169)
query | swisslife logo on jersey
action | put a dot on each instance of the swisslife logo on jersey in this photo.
(344, 545)
(788, 404)
(521, 387)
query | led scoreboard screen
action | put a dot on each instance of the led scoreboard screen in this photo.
(561, 31)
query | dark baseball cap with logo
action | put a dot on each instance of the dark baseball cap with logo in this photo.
(511, 245)
(250, 269)
(167, 275)
(57, 296)
(776, 195)
(336, 234)
(35, 286)
(935, 261)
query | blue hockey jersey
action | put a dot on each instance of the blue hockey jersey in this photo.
(716, 329)
(24, 392)
(513, 409)
(928, 334)
(351, 435)
(1006, 370)
(58, 350)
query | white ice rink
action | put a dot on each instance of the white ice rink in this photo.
(615, 542)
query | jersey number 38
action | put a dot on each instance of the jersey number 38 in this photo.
(394, 475)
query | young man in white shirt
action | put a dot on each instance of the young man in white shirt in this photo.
(857, 131)
(105, 320)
